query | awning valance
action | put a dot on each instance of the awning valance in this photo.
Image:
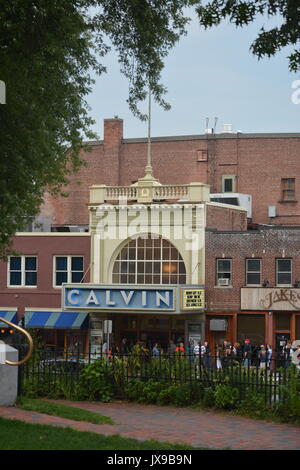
(56, 320)
(9, 315)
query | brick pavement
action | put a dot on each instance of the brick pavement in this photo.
(199, 429)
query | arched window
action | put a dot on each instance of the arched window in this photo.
(149, 261)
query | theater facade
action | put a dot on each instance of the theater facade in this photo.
(147, 263)
(147, 258)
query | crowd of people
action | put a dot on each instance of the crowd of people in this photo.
(221, 356)
(226, 354)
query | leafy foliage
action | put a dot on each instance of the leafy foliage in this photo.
(45, 57)
(167, 382)
(96, 383)
(226, 396)
(242, 12)
(47, 53)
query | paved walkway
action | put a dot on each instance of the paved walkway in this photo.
(199, 429)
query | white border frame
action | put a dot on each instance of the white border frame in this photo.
(69, 272)
(22, 285)
(276, 272)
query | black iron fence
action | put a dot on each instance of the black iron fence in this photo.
(58, 373)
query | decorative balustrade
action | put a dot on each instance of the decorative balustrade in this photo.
(143, 192)
(171, 192)
(116, 192)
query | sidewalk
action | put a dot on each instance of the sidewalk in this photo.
(196, 428)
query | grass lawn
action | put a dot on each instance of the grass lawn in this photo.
(17, 435)
(64, 411)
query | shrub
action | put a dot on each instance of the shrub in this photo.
(208, 397)
(289, 407)
(95, 383)
(157, 392)
(226, 396)
(180, 395)
(255, 402)
(134, 390)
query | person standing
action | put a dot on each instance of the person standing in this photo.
(180, 349)
(219, 356)
(237, 352)
(288, 354)
(296, 358)
(156, 350)
(226, 353)
(262, 355)
(197, 348)
(269, 356)
(247, 352)
(206, 355)
(124, 347)
(171, 348)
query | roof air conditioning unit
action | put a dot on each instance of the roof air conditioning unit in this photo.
(234, 199)
(223, 282)
(227, 128)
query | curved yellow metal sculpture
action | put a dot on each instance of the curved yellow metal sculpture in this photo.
(28, 355)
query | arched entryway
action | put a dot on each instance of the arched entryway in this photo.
(149, 259)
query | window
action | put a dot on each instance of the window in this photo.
(283, 322)
(68, 269)
(288, 189)
(283, 272)
(149, 261)
(22, 271)
(224, 272)
(253, 272)
(228, 183)
(252, 327)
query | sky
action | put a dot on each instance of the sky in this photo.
(209, 74)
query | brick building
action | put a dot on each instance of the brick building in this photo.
(253, 285)
(30, 284)
(250, 263)
(264, 166)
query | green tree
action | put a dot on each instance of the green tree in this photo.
(45, 56)
(47, 52)
(242, 12)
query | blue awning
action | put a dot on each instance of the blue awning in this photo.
(9, 315)
(57, 320)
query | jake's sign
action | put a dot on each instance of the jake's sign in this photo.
(127, 297)
(270, 299)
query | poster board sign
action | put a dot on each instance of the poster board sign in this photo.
(192, 299)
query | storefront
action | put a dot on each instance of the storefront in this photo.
(8, 314)
(274, 314)
(59, 330)
(147, 258)
(142, 314)
(220, 327)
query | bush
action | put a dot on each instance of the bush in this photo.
(208, 397)
(180, 395)
(289, 407)
(156, 392)
(226, 396)
(254, 402)
(96, 383)
(144, 392)
(134, 390)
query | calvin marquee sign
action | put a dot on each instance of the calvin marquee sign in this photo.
(125, 297)
(283, 299)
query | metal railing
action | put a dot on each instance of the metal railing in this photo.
(51, 370)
